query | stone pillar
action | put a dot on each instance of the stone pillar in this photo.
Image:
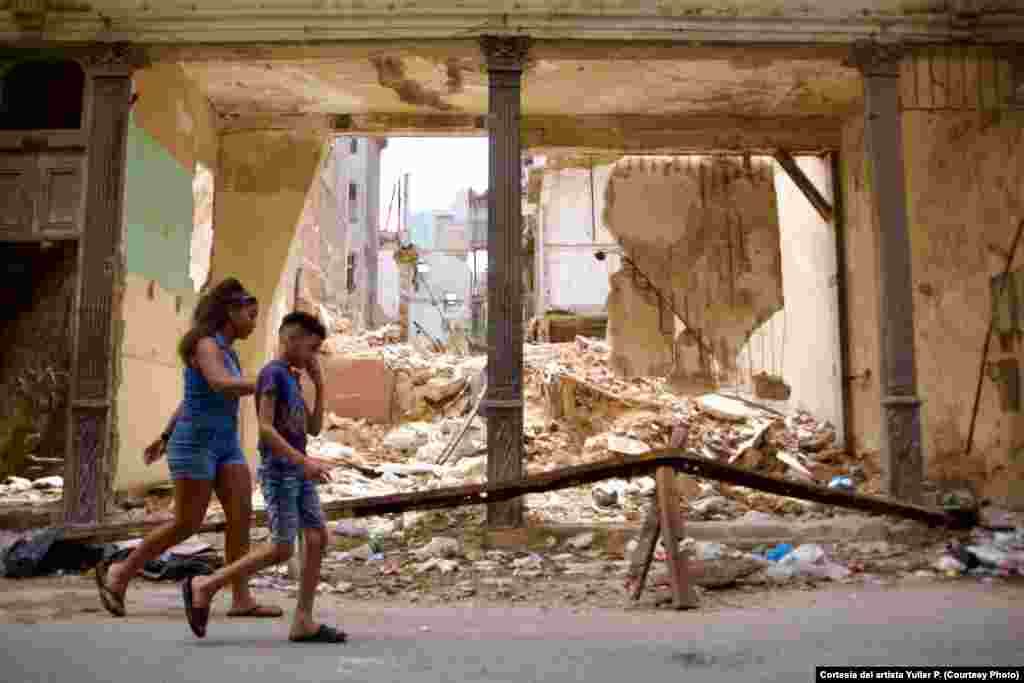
(264, 178)
(902, 461)
(503, 404)
(91, 462)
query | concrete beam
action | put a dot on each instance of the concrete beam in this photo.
(626, 133)
(244, 22)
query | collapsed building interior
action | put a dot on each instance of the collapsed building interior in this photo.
(861, 302)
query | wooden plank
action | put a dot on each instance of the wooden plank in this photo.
(623, 466)
(640, 563)
(450, 447)
(683, 595)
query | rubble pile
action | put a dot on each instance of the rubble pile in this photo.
(20, 491)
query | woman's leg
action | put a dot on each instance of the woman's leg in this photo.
(234, 491)
(191, 499)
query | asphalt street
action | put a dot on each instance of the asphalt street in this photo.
(916, 627)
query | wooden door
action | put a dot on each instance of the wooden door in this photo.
(17, 192)
(61, 197)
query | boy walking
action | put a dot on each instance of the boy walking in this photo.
(288, 477)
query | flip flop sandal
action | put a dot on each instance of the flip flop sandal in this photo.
(324, 634)
(197, 616)
(257, 612)
(112, 602)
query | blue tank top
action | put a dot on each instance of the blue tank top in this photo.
(205, 406)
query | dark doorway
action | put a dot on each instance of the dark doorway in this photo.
(36, 305)
(42, 95)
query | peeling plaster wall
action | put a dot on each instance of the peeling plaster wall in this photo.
(960, 238)
(705, 231)
(964, 161)
(571, 230)
(172, 151)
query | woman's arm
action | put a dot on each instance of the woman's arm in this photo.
(210, 360)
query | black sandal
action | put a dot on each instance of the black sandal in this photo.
(112, 602)
(324, 634)
(197, 617)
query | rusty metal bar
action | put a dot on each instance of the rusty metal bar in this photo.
(619, 467)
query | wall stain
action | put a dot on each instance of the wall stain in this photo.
(391, 74)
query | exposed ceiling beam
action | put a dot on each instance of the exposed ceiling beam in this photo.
(563, 133)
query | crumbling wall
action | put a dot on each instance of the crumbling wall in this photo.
(35, 356)
(639, 335)
(705, 231)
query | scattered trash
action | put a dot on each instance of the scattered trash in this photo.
(778, 552)
(841, 483)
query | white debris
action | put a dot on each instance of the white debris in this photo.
(408, 437)
(583, 541)
(48, 483)
(626, 445)
(440, 547)
(725, 409)
(17, 485)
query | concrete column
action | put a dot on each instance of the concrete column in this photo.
(902, 460)
(503, 404)
(263, 181)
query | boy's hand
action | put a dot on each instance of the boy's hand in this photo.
(315, 470)
(316, 374)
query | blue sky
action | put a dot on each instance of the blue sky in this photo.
(439, 166)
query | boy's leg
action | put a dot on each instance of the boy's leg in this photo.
(281, 496)
(315, 540)
(314, 531)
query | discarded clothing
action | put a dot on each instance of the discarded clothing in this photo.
(170, 567)
(44, 553)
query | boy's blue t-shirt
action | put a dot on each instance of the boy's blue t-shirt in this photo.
(289, 414)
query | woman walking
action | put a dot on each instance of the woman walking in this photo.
(203, 448)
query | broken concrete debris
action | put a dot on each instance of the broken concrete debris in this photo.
(596, 416)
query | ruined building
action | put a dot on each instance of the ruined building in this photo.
(889, 225)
